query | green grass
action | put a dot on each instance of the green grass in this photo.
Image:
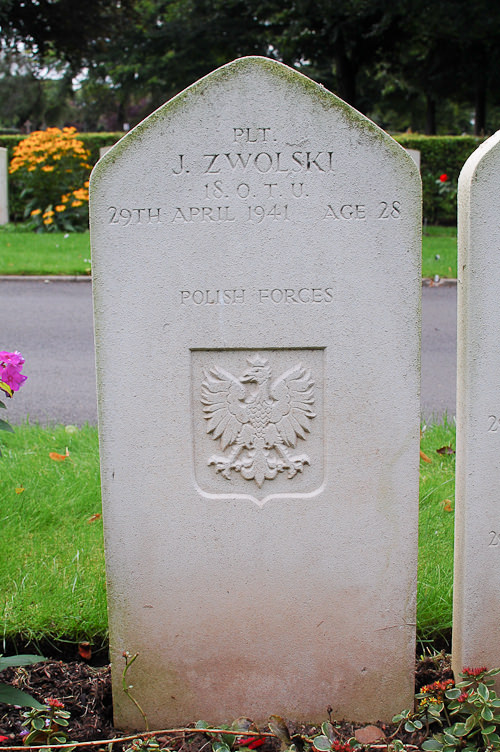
(440, 242)
(25, 252)
(51, 556)
(436, 529)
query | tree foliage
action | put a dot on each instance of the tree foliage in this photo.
(422, 64)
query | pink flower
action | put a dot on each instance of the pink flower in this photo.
(444, 177)
(11, 365)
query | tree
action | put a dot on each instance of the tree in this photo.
(74, 31)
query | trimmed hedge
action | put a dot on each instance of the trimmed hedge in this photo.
(438, 155)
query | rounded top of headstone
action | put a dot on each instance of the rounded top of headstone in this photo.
(255, 79)
(478, 160)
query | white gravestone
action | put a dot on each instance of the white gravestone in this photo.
(4, 187)
(256, 265)
(476, 612)
(415, 155)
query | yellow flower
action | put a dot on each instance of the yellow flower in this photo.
(35, 212)
(60, 208)
(76, 203)
(48, 168)
(48, 221)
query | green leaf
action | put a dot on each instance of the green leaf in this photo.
(3, 405)
(327, 729)
(62, 721)
(4, 426)
(19, 660)
(6, 388)
(58, 738)
(453, 694)
(38, 723)
(458, 730)
(13, 696)
(201, 725)
(483, 691)
(470, 723)
(487, 714)
(493, 738)
(278, 727)
(487, 730)
(31, 736)
(243, 724)
(218, 746)
(322, 743)
(432, 744)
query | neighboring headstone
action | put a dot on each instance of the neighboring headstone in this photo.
(256, 266)
(104, 150)
(4, 187)
(476, 612)
(415, 155)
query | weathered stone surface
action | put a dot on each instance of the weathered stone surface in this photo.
(476, 612)
(4, 187)
(256, 265)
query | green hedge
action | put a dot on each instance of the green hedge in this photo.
(438, 155)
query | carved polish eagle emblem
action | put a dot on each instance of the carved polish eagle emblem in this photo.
(258, 419)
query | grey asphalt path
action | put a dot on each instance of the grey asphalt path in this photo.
(439, 352)
(51, 324)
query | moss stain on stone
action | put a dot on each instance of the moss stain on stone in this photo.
(291, 77)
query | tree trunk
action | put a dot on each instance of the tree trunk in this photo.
(430, 116)
(346, 74)
(480, 108)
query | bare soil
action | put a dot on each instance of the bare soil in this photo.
(85, 691)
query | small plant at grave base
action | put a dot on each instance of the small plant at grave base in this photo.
(329, 740)
(52, 168)
(144, 745)
(221, 742)
(11, 379)
(468, 713)
(46, 725)
(129, 660)
(11, 695)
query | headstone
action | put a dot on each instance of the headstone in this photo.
(4, 187)
(256, 266)
(103, 150)
(476, 612)
(415, 155)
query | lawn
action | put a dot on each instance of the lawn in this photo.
(23, 252)
(51, 539)
(439, 252)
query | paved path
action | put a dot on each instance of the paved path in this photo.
(51, 324)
